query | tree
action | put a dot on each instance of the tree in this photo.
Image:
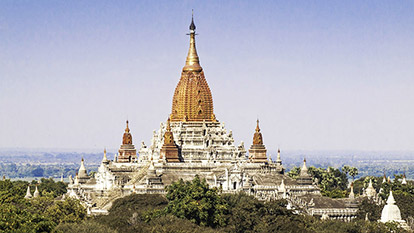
(243, 212)
(52, 187)
(353, 171)
(371, 208)
(294, 172)
(84, 227)
(196, 202)
(67, 211)
(346, 169)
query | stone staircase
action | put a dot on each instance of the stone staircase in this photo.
(140, 174)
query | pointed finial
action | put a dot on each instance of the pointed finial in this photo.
(127, 127)
(105, 159)
(192, 63)
(168, 125)
(278, 159)
(257, 126)
(192, 25)
(391, 200)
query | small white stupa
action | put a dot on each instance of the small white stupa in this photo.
(391, 212)
(105, 159)
(76, 179)
(82, 173)
(370, 191)
(282, 189)
(352, 194)
(28, 194)
(36, 193)
(404, 181)
(304, 169)
(278, 159)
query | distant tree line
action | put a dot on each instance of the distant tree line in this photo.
(12, 170)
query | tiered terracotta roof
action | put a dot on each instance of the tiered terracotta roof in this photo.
(257, 151)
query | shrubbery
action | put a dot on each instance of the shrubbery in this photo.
(41, 214)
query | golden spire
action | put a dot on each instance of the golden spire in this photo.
(168, 135)
(168, 125)
(257, 126)
(192, 99)
(192, 63)
(257, 137)
(127, 127)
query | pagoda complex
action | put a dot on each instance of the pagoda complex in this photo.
(193, 142)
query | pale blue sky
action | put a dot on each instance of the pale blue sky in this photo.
(319, 74)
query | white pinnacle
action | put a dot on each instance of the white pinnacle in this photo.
(36, 193)
(28, 194)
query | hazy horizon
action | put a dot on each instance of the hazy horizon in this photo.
(320, 76)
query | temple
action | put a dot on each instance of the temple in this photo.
(193, 142)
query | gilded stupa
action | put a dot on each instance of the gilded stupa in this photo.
(192, 99)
